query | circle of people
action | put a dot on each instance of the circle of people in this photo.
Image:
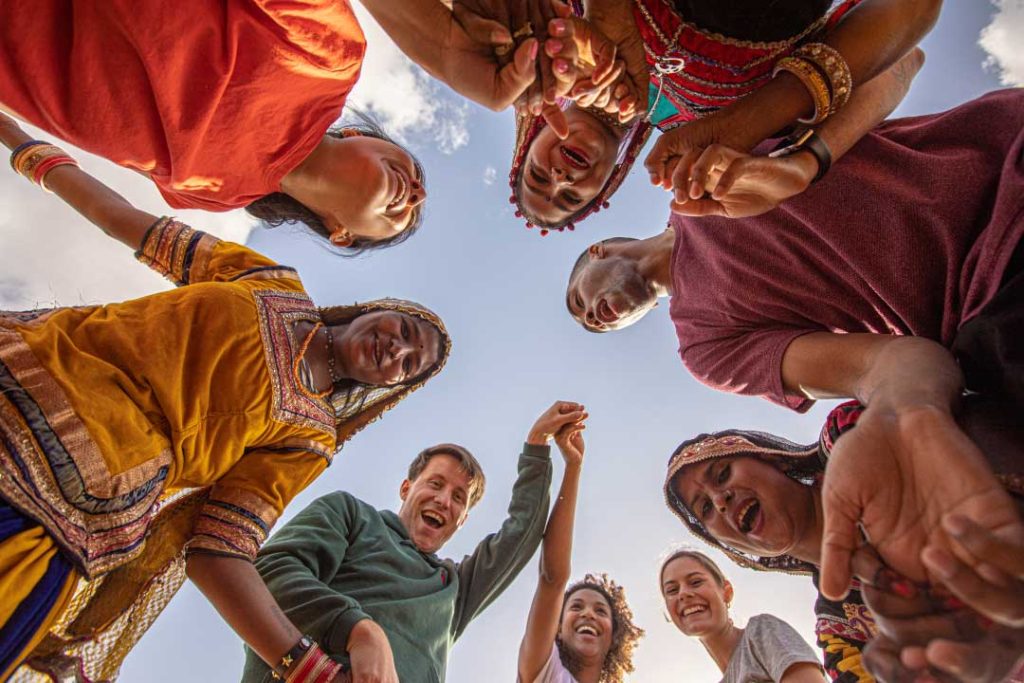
(127, 465)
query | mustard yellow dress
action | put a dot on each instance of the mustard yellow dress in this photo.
(107, 410)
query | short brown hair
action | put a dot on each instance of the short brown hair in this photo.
(470, 466)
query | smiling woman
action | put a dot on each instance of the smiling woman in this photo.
(697, 598)
(381, 207)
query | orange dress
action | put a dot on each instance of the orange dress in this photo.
(215, 100)
(104, 410)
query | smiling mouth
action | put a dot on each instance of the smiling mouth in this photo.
(377, 353)
(694, 609)
(586, 630)
(747, 515)
(575, 157)
(401, 190)
(432, 519)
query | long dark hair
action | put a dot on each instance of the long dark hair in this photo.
(278, 208)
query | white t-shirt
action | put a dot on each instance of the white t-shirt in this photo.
(768, 647)
(554, 671)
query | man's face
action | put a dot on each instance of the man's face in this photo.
(435, 504)
(608, 292)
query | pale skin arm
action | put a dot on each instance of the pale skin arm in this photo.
(556, 553)
(96, 202)
(803, 672)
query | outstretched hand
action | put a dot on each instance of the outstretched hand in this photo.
(726, 182)
(895, 476)
(561, 414)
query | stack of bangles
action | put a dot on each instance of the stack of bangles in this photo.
(34, 159)
(306, 663)
(824, 73)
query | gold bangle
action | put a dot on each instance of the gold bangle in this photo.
(815, 83)
(834, 67)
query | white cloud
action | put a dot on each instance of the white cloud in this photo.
(1001, 39)
(404, 97)
(490, 175)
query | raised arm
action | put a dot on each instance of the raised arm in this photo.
(103, 207)
(563, 421)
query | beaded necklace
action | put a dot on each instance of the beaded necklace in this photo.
(331, 371)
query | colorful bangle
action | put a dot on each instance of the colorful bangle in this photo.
(835, 69)
(50, 163)
(21, 149)
(315, 666)
(815, 83)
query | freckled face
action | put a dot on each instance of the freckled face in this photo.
(436, 503)
(748, 504)
(695, 602)
(560, 177)
(384, 348)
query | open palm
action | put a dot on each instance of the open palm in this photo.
(895, 476)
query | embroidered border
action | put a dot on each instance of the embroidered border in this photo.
(173, 249)
(277, 311)
(233, 522)
(56, 474)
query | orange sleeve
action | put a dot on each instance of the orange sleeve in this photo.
(185, 256)
(245, 503)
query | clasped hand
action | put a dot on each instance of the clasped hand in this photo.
(577, 61)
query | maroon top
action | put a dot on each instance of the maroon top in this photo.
(908, 234)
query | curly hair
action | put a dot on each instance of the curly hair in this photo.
(278, 208)
(625, 634)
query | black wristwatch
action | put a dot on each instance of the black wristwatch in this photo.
(807, 141)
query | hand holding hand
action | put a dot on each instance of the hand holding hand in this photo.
(992, 579)
(559, 415)
(726, 182)
(570, 443)
(677, 150)
(370, 654)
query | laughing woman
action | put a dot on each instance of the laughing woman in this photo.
(227, 104)
(758, 498)
(697, 598)
(583, 634)
(233, 386)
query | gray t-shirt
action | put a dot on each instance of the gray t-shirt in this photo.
(768, 647)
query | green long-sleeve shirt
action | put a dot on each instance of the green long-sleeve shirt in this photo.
(341, 560)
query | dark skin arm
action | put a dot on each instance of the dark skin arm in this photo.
(96, 202)
(871, 37)
(907, 464)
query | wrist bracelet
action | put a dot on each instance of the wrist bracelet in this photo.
(811, 142)
(807, 73)
(298, 650)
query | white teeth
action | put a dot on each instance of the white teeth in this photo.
(741, 515)
(427, 514)
(693, 609)
(587, 629)
(400, 193)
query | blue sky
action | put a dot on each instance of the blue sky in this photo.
(500, 289)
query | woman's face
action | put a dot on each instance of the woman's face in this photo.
(747, 503)
(560, 177)
(696, 603)
(384, 348)
(587, 624)
(373, 190)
